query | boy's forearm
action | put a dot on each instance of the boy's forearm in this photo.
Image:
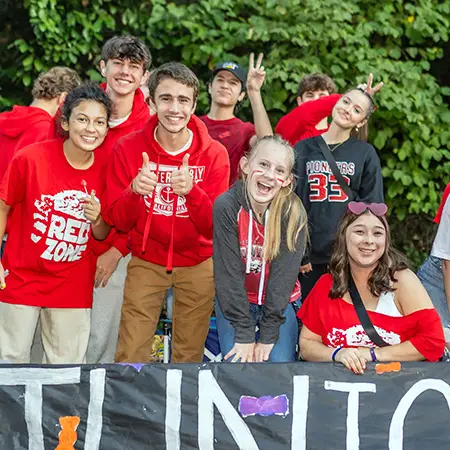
(260, 118)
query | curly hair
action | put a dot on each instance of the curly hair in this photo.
(53, 83)
(381, 278)
(316, 82)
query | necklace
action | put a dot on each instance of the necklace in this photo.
(335, 145)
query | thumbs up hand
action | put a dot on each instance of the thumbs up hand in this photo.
(145, 181)
(181, 180)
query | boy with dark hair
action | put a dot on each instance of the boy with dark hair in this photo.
(125, 61)
(26, 125)
(163, 181)
(316, 97)
(227, 88)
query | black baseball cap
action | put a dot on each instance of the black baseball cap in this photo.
(237, 70)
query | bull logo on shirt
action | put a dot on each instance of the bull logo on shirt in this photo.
(164, 195)
(59, 219)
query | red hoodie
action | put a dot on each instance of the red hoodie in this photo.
(301, 122)
(183, 239)
(138, 118)
(437, 219)
(22, 126)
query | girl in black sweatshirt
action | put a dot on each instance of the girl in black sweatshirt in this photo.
(259, 238)
(324, 199)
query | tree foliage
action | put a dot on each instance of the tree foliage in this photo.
(397, 40)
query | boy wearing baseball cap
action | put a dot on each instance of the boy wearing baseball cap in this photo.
(227, 88)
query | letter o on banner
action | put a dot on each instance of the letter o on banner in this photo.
(398, 418)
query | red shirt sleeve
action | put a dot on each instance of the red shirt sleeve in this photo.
(310, 311)
(429, 338)
(294, 125)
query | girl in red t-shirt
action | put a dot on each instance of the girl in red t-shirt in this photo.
(50, 192)
(396, 302)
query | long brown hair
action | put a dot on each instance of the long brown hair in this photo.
(362, 133)
(381, 278)
(286, 209)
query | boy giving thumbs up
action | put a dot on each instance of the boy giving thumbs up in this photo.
(162, 182)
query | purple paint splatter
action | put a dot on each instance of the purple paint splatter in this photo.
(137, 366)
(264, 406)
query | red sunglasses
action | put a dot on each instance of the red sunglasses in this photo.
(378, 209)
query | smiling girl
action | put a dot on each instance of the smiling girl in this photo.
(51, 191)
(259, 238)
(324, 199)
(395, 300)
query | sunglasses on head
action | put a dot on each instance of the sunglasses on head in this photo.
(378, 209)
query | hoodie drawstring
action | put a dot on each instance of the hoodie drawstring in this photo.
(148, 221)
(263, 268)
(249, 243)
(169, 265)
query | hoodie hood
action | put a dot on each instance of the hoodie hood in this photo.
(14, 123)
(139, 114)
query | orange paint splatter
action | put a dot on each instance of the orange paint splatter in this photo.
(68, 435)
(386, 368)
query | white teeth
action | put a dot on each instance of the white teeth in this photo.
(88, 139)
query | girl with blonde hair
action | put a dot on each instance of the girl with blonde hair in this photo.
(259, 238)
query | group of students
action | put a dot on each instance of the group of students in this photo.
(110, 198)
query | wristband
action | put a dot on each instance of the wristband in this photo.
(333, 356)
(373, 355)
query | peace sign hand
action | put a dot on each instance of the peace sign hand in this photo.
(367, 87)
(256, 74)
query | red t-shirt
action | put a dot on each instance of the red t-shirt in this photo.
(234, 135)
(48, 253)
(253, 279)
(336, 321)
(437, 219)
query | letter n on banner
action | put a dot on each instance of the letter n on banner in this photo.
(210, 394)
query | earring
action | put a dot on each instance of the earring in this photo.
(357, 129)
(103, 72)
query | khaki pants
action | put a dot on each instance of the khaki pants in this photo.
(145, 289)
(64, 333)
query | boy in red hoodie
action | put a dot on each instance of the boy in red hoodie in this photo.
(316, 97)
(162, 183)
(125, 61)
(26, 125)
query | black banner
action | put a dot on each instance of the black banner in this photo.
(224, 406)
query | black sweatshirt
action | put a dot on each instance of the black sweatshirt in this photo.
(230, 242)
(323, 198)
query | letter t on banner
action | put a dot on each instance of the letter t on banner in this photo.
(352, 407)
(210, 394)
(33, 379)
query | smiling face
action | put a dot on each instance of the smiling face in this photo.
(174, 104)
(366, 240)
(87, 125)
(268, 169)
(351, 110)
(123, 76)
(226, 89)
